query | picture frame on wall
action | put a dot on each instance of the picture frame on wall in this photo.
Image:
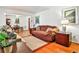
(70, 14)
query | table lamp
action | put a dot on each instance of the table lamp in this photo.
(64, 23)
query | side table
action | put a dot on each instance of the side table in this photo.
(63, 39)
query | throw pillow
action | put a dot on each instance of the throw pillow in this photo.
(38, 28)
(52, 31)
(56, 30)
(49, 31)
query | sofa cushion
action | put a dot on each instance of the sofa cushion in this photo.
(43, 28)
(40, 32)
(38, 28)
(42, 35)
(47, 38)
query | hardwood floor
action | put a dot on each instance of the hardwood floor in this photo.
(57, 48)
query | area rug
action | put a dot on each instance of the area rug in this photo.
(34, 43)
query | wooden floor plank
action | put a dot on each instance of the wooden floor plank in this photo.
(54, 47)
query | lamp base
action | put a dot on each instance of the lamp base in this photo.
(64, 29)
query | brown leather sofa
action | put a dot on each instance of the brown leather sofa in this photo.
(41, 34)
(59, 38)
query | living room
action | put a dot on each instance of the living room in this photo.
(28, 18)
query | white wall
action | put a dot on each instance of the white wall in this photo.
(49, 17)
(54, 16)
(2, 18)
(17, 12)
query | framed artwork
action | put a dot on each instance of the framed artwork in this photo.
(37, 19)
(70, 14)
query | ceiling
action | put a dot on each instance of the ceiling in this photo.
(30, 9)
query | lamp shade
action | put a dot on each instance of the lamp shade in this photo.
(65, 22)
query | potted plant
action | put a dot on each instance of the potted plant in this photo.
(5, 39)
